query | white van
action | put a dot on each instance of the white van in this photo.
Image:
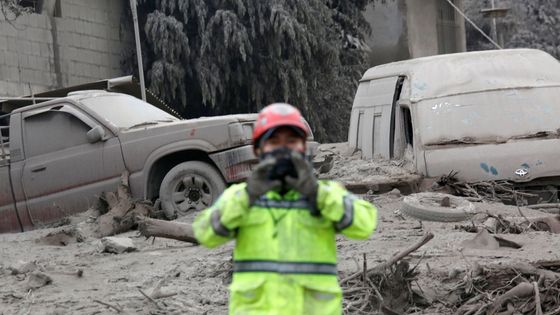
(488, 115)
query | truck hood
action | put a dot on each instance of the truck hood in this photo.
(212, 129)
(206, 134)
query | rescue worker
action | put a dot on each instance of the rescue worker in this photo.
(284, 222)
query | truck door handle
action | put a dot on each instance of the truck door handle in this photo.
(38, 169)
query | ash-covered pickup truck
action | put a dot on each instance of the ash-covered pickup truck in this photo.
(56, 157)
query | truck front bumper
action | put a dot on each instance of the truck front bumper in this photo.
(235, 164)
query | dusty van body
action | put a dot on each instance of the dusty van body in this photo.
(491, 115)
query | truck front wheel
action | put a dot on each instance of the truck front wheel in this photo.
(190, 187)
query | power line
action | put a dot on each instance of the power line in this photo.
(473, 24)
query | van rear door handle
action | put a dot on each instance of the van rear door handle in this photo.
(38, 169)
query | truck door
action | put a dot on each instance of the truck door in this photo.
(64, 173)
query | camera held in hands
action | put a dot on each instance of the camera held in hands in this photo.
(284, 165)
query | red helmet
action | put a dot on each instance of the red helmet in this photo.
(278, 115)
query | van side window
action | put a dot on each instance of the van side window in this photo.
(53, 131)
(407, 119)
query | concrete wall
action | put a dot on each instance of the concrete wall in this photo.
(421, 27)
(41, 51)
(388, 38)
(403, 29)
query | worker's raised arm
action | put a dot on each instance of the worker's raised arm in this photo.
(217, 224)
(352, 216)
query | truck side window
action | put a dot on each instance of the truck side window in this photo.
(407, 119)
(53, 131)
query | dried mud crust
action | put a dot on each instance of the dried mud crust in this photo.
(428, 206)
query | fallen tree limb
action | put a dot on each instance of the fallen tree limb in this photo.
(166, 229)
(118, 309)
(528, 269)
(544, 206)
(393, 260)
(149, 298)
(538, 307)
(522, 290)
(122, 212)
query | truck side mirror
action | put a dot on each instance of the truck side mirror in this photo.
(95, 134)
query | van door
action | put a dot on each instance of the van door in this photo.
(370, 122)
(63, 172)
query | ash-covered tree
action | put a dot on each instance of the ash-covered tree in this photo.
(229, 56)
(541, 28)
(12, 9)
(531, 24)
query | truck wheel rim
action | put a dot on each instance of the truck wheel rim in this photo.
(192, 192)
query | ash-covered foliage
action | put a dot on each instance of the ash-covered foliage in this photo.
(532, 24)
(12, 9)
(211, 57)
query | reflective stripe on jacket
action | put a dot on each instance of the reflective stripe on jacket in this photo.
(285, 254)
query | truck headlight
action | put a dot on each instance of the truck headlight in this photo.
(241, 133)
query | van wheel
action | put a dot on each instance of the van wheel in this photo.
(439, 207)
(190, 187)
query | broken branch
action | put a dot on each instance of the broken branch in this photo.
(118, 309)
(521, 290)
(393, 260)
(166, 229)
(150, 299)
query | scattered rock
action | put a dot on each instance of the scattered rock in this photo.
(490, 224)
(445, 202)
(394, 193)
(23, 267)
(37, 280)
(482, 240)
(453, 273)
(63, 237)
(117, 245)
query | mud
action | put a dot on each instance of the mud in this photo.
(190, 279)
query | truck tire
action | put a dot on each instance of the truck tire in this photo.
(190, 187)
(427, 206)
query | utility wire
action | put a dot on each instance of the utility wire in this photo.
(473, 24)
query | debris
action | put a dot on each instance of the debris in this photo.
(497, 224)
(507, 243)
(63, 237)
(441, 207)
(482, 240)
(499, 190)
(166, 229)
(117, 245)
(386, 287)
(158, 293)
(149, 298)
(37, 280)
(395, 193)
(122, 212)
(23, 267)
(549, 224)
(116, 308)
(323, 163)
(522, 290)
(509, 288)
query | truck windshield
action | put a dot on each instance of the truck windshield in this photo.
(126, 112)
(490, 116)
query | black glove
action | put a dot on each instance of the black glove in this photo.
(306, 182)
(258, 183)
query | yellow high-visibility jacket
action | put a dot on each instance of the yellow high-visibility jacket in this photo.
(285, 251)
